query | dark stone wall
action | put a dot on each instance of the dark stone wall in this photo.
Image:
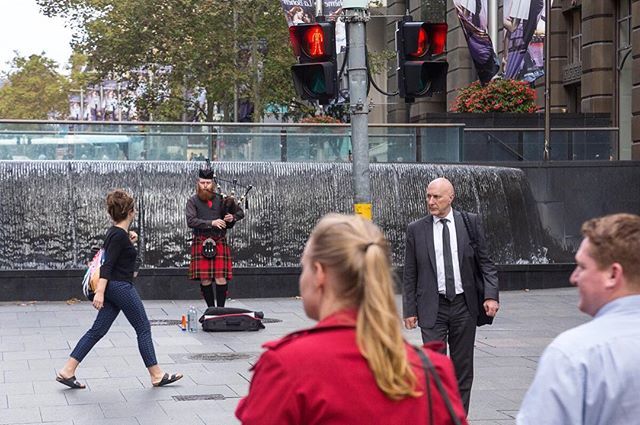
(565, 194)
(569, 193)
(172, 283)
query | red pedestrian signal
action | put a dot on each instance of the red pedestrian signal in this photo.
(314, 39)
(420, 73)
(315, 75)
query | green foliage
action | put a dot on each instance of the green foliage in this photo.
(172, 48)
(379, 61)
(34, 90)
(497, 96)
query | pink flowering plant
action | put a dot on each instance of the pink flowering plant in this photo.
(497, 96)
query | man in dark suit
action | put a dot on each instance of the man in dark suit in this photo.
(446, 266)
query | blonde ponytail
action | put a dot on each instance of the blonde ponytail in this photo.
(359, 254)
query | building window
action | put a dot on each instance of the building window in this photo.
(625, 80)
(624, 29)
(575, 39)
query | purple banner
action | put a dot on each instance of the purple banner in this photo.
(523, 57)
(473, 19)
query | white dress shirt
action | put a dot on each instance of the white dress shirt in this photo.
(437, 243)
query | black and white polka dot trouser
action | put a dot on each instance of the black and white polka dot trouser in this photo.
(118, 296)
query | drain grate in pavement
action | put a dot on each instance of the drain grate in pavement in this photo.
(196, 397)
(269, 320)
(221, 357)
(164, 322)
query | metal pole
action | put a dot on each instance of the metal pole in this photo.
(356, 16)
(81, 105)
(493, 23)
(235, 59)
(547, 80)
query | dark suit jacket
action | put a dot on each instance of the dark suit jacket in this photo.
(420, 284)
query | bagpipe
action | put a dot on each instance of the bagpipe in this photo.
(231, 204)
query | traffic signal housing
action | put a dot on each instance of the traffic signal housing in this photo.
(315, 75)
(421, 70)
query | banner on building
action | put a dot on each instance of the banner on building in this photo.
(524, 22)
(473, 19)
(523, 54)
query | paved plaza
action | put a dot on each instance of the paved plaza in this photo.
(37, 337)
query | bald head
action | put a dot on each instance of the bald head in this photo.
(440, 195)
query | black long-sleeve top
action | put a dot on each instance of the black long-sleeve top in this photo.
(119, 255)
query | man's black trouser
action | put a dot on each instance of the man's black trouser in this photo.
(455, 326)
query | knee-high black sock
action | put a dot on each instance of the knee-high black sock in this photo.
(221, 294)
(207, 293)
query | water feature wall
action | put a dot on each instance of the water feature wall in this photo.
(53, 212)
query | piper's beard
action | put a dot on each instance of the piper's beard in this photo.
(204, 194)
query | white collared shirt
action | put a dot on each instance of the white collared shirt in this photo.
(437, 243)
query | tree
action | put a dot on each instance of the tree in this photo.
(34, 90)
(171, 50)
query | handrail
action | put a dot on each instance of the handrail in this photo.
(506, 147)
(163, 133)
(502, 129)
(221, 124)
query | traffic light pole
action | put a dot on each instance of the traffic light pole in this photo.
(356, 16)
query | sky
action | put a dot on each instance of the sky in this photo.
(24, 29)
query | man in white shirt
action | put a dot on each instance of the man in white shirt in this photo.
(589, 374)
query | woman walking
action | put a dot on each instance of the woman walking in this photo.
(114, 293)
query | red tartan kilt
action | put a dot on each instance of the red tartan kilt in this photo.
(210, 268)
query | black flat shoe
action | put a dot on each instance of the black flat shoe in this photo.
(69, 382)
(168, 379)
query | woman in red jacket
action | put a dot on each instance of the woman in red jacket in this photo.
(353, 367)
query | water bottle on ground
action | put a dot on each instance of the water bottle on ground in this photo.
(192, 319)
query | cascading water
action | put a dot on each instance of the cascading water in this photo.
(53, 212)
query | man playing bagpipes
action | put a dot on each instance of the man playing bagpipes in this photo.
(209, 215)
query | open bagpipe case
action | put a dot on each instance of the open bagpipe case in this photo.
(226, 319)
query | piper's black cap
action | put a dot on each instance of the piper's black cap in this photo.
(206, 173)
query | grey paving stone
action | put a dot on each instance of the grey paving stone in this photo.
(16, 388)
(78, 413)
(69, 422)
(109, 421)
(29, 375)
(14, 365)
(110, 383)
(130, 409)
(188, 418)
(89, 396)
(151, 395)
(26, 355)
(12, 346)
(29, 400)
(119, 385)
(20, 415)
